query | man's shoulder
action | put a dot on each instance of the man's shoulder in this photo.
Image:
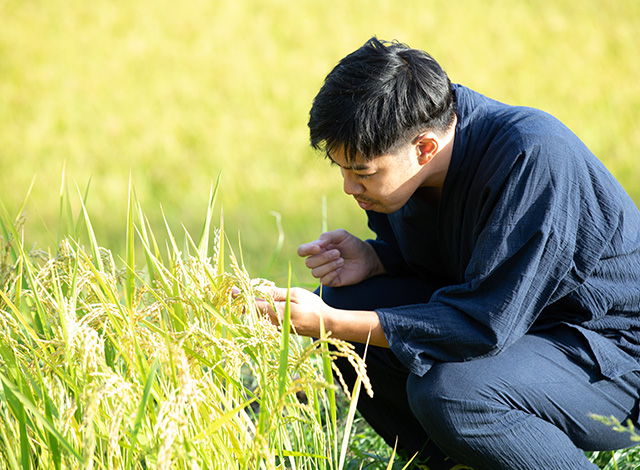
(479, 109)
(488, 125)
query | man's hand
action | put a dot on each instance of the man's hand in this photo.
(338, 258)
(307, 309)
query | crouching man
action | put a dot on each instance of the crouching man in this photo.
(501, 294)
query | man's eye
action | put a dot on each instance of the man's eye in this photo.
(364, 177)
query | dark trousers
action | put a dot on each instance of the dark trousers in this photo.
(528, 407)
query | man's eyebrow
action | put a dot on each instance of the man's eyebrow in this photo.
(353, 166)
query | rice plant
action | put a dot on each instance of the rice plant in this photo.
(167, 364)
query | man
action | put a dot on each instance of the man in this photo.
(502, 291)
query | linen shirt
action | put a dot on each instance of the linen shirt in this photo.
(531, 231)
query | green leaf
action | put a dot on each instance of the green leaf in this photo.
(204, 236)
(222, 420)
(8, 446)
(284, 346)
(95, 250)
(143, 404)
(48, 425)
(130, 278)
(350, 415)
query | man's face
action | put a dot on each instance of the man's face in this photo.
(383, 184)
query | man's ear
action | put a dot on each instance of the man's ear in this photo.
(426, 147)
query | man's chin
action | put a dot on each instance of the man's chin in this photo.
(381, 209)
(384, 209)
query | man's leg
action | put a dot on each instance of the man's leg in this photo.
(388, 411)
(528, 407)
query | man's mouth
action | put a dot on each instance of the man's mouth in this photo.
(365, 204)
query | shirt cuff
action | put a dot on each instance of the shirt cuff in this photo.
(416, 362)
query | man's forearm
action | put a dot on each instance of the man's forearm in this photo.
(360, 326)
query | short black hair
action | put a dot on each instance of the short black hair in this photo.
(378, 98)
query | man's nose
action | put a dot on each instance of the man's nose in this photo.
(350, 185)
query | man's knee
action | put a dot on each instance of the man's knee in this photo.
(451, 401)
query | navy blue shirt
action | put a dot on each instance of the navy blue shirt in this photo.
(531, 231)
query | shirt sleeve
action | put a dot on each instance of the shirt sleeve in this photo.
(528, 251)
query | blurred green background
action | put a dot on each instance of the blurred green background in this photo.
(172, 93)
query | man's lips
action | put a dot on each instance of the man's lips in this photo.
(365, 204)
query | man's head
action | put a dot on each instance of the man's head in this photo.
(383, 113)
(378, 99)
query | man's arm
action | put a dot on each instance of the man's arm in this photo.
(337, 258)
(308, 310)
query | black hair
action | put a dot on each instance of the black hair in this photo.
(378, 98)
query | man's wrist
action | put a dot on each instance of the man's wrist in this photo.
(328, 318)
(377, 268)
(360, 326)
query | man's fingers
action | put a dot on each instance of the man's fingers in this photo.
(309, 249)
(334, 236)
(325, 269)
(322, 259)
(330, 279)
(313, 248)
(278, 294)
(266, 308)
(325, 242)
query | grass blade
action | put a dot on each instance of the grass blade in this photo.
(331, 393)
(284, 348)
(64, 204)
(203, 245)
(8, 446)
(38, 318)
(350, 415)
(95, 250)
(51, 439)
(28, 405)
(143, 404)
(221, 244)
(222, 420)
(129, 247)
